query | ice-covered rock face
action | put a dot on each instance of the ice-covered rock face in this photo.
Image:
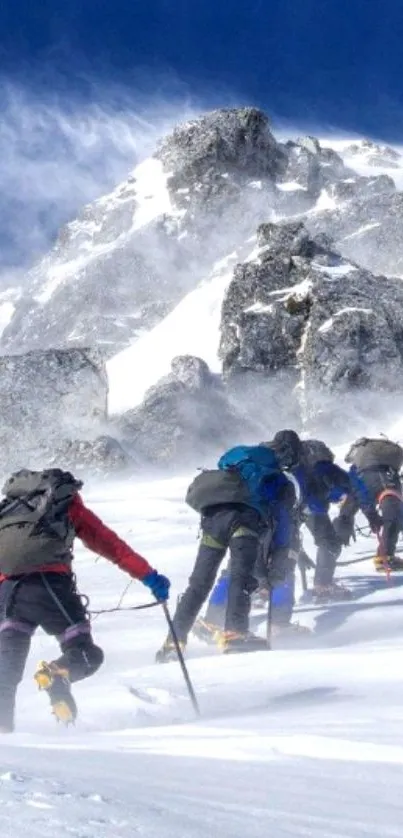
(48, 396)
(301, 308)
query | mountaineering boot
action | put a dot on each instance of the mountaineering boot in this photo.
(395, 563)
(205, 631)
(387, 564)
(55, 681)
(167, 653)
(330, 593)
(233, 642)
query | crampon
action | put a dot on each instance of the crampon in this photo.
(55, 681)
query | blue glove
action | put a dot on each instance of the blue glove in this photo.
(159, 585)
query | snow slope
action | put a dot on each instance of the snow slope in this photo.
(192, 328)
(291, 743)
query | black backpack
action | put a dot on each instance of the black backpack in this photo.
(315, 451)
(217, 486)
(34, 525)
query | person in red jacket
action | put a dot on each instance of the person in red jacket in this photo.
(39, 519)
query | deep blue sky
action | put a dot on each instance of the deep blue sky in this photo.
(333, 62)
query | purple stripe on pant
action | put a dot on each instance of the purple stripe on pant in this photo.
(74, 631)
(16, 625)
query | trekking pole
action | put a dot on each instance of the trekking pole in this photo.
(189, 685)
(269, 623)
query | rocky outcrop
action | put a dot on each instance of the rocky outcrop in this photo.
(302, 309)
(366, 222)
(102, 456)
(310, 169)
(184, 417)
(46, 396)
(374, 154)
(224, 143)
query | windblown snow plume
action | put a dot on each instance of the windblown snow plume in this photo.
(60, 152)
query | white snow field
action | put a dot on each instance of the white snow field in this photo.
(296, 742)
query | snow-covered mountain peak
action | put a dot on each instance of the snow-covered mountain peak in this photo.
(374, 154)
(145, 273)
(129, 258)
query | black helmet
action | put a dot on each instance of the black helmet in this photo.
(287, 446)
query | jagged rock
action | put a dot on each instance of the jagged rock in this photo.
(268, 301)
(192, 372)
(292, 239)
(222, 171)
(310, 169)
(301, 308)
(183, 417)
(101, 456)
(45, 394)
(364, 189)
(226, 141)
(367, 227)
(374, 154)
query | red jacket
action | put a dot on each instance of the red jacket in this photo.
(100, 539)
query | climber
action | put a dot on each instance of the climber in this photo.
(322, 483)
(377, 463)
(40, 516)
(246, 495)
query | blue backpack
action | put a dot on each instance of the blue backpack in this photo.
(253, 463)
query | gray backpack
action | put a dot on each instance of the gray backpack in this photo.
(35, 530)
(375, 453)
(212, 488)
(315, 451)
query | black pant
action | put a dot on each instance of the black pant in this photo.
(50, 601)
(237, 528)
(328, 546)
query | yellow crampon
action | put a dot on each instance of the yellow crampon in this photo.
(62, 713)
(55, 681)
(223, 638)
(43, 676)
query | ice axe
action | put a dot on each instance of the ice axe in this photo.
(173, 634)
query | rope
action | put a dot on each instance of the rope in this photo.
(126, 608)
(354, 561)
(119, 607)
